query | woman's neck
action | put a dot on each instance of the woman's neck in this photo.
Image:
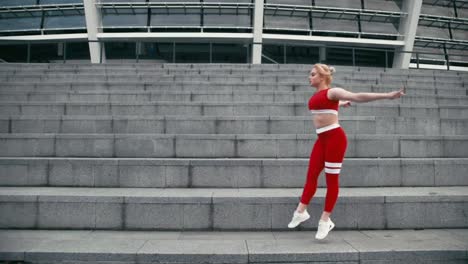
(322, 87)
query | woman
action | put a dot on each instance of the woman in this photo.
(329, 149)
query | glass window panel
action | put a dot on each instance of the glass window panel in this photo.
(174, 1)
(336, 16)
(55, 19)
(356, 4)
(192, 53)
(227, 17)
(230, 53)
(376, 19)
(438, 10)
(462, 12)
(175, 17)
(123, 1)
(283, 19)
(383, 5)
(77, 51)
(302, 55)
(158, 52)
(125, 17)
(334, 25)
(376, 27)
(369, 58)
(14, 52)
(339, 56)
(290, 2)
(274, 52)
(120, 50)
(227, 1)
(460, 35)
(22, 23)
(432, 32)
(47, 52)
(60, 2)
(432, 53)
(17, 2)
(458, 55)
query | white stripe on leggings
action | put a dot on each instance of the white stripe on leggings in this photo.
(332, 171)
(333, 165)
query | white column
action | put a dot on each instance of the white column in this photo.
(93, 22)
(258, 31)
(408, 27)
(322, 54)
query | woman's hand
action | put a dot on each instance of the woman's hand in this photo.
(345, 103)
(396, 94)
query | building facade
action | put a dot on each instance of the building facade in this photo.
(376, 33)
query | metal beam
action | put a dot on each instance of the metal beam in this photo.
(51, 37)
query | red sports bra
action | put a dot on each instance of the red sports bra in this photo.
(319, 103)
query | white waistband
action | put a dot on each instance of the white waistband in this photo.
(324, 111)
(326, 128)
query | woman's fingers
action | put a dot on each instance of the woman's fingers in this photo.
(398, 94)
(346, 103)
(403, 90)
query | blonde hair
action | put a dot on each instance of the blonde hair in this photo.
(325, 72)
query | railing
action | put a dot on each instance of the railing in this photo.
(270, 59)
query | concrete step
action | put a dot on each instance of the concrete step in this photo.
(218, 66)
(180, 66)
(427, 83)
(356, 72)
(69, 124)
(225, 146)
(215, 75)
(435, 246)
(150, 74)
(429, 80)
(200, 68)
(142, 96)
(168, 70)
(424, 78)
(227, 209)
(226, 109)
(413, 90)
(282, 80)
(213, 87)
(226, 173)
(154, 78)
(228, 78)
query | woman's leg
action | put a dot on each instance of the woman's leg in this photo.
(335, 149)
(316, 164)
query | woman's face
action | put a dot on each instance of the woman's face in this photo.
(314, 78)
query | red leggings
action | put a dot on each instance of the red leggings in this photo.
(328, 152)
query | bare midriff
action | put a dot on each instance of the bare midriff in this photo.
(324, 119)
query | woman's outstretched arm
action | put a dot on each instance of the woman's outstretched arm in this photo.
(342, 94)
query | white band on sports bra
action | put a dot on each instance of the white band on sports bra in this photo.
(324, 111)
(326, 128)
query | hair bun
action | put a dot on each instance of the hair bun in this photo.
(332, 69)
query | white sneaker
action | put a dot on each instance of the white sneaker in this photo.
(298, 218)
(323, 228)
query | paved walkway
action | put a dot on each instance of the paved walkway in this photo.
(372, 246)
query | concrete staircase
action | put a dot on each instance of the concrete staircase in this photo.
(181, 163)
